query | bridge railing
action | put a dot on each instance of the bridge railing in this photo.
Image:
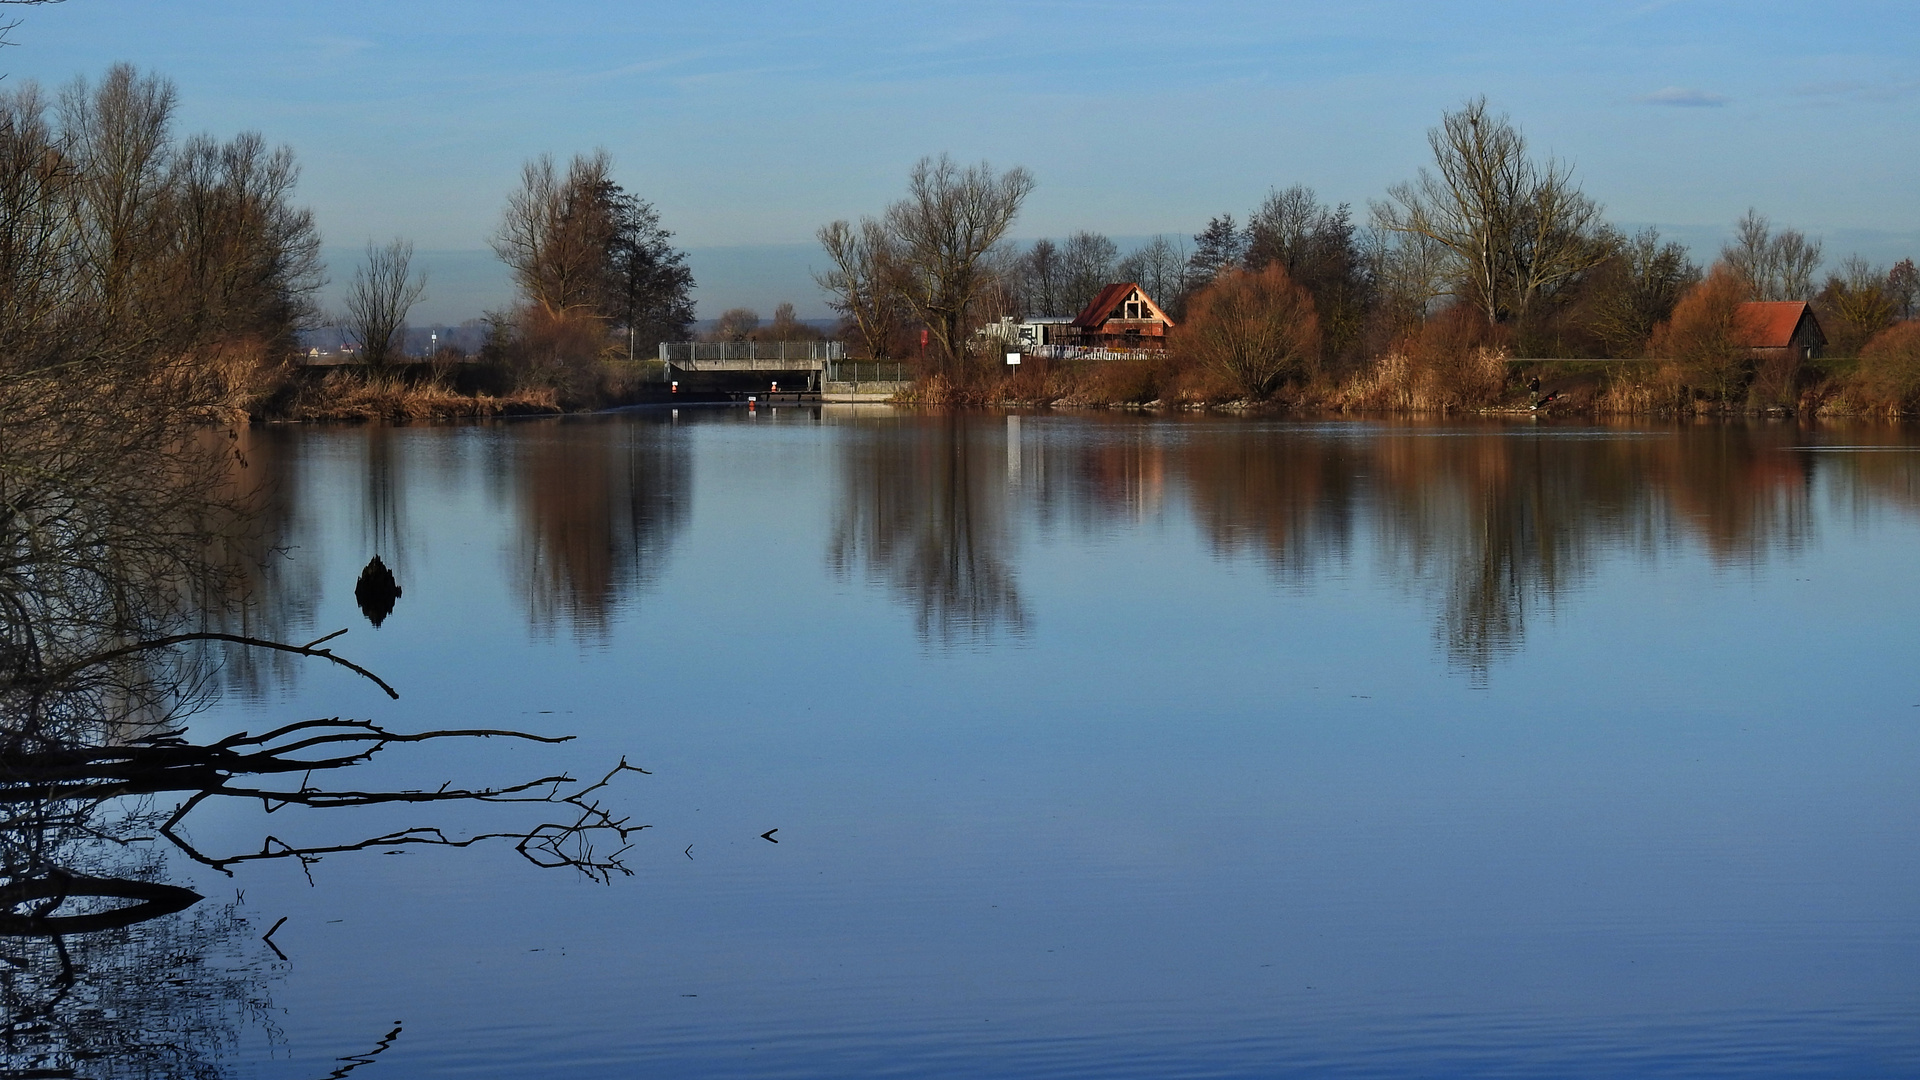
(866, 371)
(690, 352)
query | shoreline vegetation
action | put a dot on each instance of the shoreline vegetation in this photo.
(178, 272)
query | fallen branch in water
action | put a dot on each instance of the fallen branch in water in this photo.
(60, 675)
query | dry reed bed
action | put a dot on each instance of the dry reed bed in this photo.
(344, 396)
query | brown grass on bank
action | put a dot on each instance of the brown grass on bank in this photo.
(352, 396)
(1118, 383)
(1455, 361)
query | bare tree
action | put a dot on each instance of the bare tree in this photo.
(736, 324)
(1160, 268)
(1513, 226)
(1637, 289)
(1086, 267)
(247, 262)
(1320, 249)
(556, 233)
(1702, 342)
(1780, 266)
(863, 282)
(1409, 272)
(1903, 289)
(1856, 305)
(182, 268)
(118, 136)
(950, 219)
(1040, 273)
(382, 293)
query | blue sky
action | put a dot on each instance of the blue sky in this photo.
(750, 124)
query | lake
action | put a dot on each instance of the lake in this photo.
(1092, 746)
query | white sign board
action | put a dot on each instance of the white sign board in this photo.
(1013, 358)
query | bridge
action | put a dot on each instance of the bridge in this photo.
(810, 368)
(750, 355)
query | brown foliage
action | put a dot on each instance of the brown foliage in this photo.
(1699, 344)
(560, 352)
(1889, 373)
(1455, 360)
(1258, 329)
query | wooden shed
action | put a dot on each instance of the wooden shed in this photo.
(1123, 316)
(1779, 330)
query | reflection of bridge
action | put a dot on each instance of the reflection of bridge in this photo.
(738, 367)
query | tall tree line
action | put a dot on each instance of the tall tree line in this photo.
(122, 245)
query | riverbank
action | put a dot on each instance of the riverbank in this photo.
(1488, 384)
(1483, 382)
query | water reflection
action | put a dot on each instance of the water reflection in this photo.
(376, 592)
(166, 998)
(923, 509)
(598, 505)
(1490, 526)
(126, 579)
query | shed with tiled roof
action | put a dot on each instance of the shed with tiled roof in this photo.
(1779, 329)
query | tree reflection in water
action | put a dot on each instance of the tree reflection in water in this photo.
(923, 508)
(598, 509)
(1491, 525)
(125, 570)
(1494, 524)
(164, 998)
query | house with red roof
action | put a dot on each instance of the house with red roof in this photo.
(1779, 330)
(1122, 316)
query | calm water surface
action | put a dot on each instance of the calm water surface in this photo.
(1110, 747)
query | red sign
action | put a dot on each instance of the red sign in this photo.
(923, 338)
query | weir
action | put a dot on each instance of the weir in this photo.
(815, 370)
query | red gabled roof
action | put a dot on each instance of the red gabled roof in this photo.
(1096, 310)
(1769, 324)
(1101, 307)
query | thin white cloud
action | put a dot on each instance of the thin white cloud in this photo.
(1833, 92)
(1682, 97)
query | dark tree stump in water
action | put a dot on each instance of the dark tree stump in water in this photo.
(376, 592)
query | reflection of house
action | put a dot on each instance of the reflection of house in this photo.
(1779, 330)
(1122, 317)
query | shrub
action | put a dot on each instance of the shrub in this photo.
(1699, 343)
(1256, 328)
(1888, 376)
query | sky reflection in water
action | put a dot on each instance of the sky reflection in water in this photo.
(1118, 747)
